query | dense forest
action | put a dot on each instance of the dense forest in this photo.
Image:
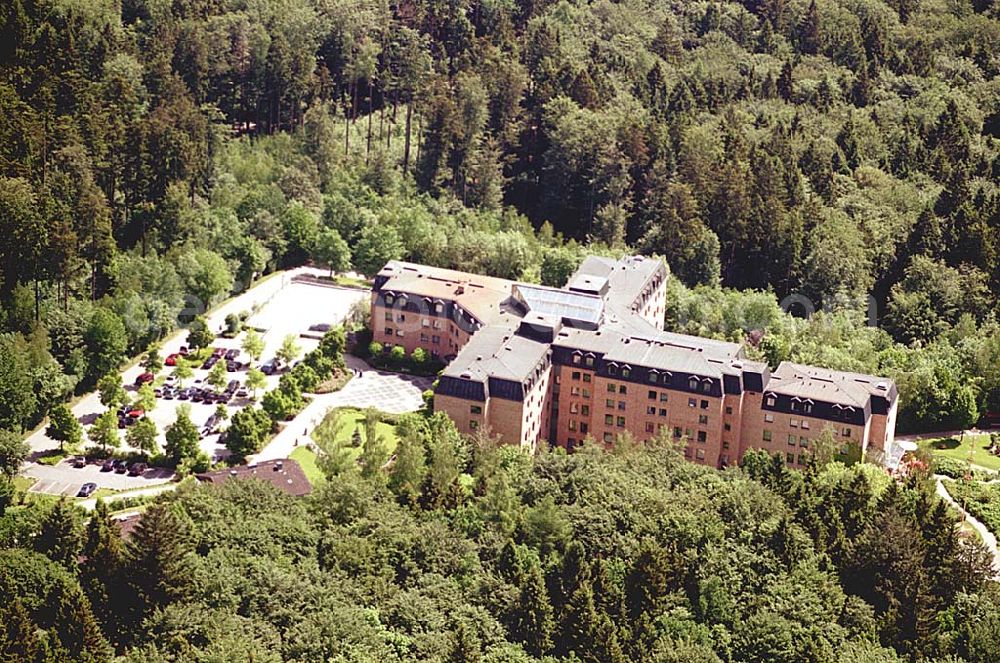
(156, 156)
(465, 552)
(159, 155)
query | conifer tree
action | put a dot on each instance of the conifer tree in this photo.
(158, 568)
(59, 536)
(533, 620)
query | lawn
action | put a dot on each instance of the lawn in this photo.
(307, 461)
(53, 457)
(950, 447)
(351, 419)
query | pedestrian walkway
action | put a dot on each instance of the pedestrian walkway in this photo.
(987, 536)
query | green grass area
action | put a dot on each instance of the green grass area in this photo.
(974, 449)
(52, 457)
(982, 500)
(307, 460)
(349, 420)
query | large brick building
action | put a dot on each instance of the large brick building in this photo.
(591, 361)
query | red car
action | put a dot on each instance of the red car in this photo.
(171, 360)
(144, 378)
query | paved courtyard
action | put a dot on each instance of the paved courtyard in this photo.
(389, 392)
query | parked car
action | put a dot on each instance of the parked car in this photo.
(232, 366)
(135, 469)
(320, 327)
(218, 352)
(233, 386)
(133, 412)
(108, 465)
(232, 353)
(269, 366)
(79, 461)
(171, 359)
(183, 350)
(87, 489)
(144, 378)
(121, 467)
(209, 363)
(241, 392)
(184, 394)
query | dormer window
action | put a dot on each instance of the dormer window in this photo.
(438, 307)
(389, 299)
(626, 371)
(807, 407)
(576, 358)
(589, 360)
(770, 400)
(612, 369)
(651, 376)
(693, 383)
(706, 386)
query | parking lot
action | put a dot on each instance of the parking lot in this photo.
(284, 307)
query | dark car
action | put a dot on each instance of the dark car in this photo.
(232, 353)
(233, 386)
(218, 352)
(184, 394)
(121, 467)
(135, 469)
(241, 392)
(108, 465)
(79, 461)
(169, 394)
(321, 327)
(209, 363)
(197, 396)
(232, 366)
(87, 489)
(269, 367)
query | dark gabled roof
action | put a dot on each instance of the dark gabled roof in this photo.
(498, 351)
(822, 384)
(285, 474)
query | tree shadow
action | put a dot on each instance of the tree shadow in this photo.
(946, 444)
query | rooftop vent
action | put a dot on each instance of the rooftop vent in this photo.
(882, 386)
(278, 465)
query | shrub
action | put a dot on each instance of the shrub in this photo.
(419, 356)
(375, 349)
(397, 355)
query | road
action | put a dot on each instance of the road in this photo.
(91, 504)
(987, 536)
